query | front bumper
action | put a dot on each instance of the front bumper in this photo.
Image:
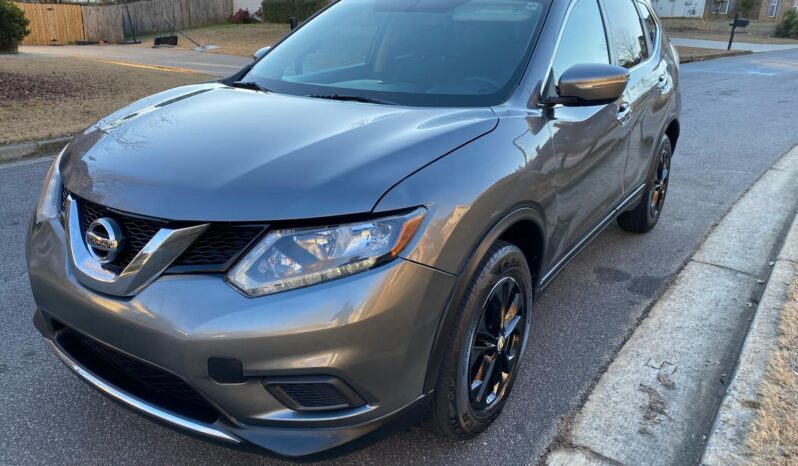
(374, 331)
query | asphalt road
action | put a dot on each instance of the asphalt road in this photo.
(214, 64)
(739, 116)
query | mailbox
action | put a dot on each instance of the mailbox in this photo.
(740, 22)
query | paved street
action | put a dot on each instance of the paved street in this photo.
(739, 116)
(213, 64)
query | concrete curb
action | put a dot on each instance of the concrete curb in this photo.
(738, 410)
(32, 149)
(732, 53)
(660, 395)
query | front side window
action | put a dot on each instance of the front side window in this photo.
(583, 39)
(409, 52)
(627, 32)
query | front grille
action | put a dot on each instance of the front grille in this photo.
(137, 231)
(64, 197)
(218, 246)
(137, 377)
(314, 395)
(213, 251)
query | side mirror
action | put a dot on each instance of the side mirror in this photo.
(591, 84)
(260, 53)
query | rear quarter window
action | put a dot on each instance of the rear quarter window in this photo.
(649, 25)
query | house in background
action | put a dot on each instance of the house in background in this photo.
(680, 8)
(773, 10)
(250, 5)
(717, 8)
(766, 10)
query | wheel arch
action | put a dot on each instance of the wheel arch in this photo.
(522, 227)
(673, 130)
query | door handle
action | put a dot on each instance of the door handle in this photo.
(624, 113)
(663, 84)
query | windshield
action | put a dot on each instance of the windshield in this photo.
(433, 53)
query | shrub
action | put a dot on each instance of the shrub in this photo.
(788, 26)
(281, 11)
(13, 26)
(746, 6)
(241, 17)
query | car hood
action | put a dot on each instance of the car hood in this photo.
(214, 153)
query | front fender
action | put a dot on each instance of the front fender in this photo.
(474, 195)
(472, 189)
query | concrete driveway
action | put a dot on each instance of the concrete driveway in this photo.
(201, 62)
(736, 122)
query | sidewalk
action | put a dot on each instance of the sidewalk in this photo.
(743, 399)
(213, 64)
(717, 44)
(658, 400)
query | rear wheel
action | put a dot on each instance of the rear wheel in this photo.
(485, 344)
(644, 217)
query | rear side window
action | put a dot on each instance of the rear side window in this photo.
(627, 33)
(649, 24)
(583, 38)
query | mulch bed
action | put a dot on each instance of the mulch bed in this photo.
(17, 88)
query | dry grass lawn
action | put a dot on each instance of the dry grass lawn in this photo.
(758, 32)
(232, 39)
(773, 439)
(44, 97)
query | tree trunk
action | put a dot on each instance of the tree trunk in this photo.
(9, 48)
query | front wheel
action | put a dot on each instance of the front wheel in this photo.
(644, 217)
(485, 345)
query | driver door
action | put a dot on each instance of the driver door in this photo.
(591, 142)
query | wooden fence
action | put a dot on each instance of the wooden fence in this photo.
(53, 24)
(113, 23)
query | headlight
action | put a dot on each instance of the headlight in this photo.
(289, 259)
(48, 205)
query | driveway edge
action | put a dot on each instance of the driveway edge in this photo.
(659, 398)
(739, 407)
(32, 149)
(712, 56)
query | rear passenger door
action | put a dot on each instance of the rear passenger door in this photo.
(635, 41)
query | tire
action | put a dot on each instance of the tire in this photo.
(644, 217)
(458, 411)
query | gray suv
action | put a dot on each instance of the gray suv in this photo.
(349, 234)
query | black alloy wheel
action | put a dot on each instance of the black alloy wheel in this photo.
(661, 179)
(486, 344)
(643, 217)
(496, 344)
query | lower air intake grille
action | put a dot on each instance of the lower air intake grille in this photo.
(313, 393)
(148, 382)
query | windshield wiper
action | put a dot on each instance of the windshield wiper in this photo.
(352, 98)
(252, 85)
